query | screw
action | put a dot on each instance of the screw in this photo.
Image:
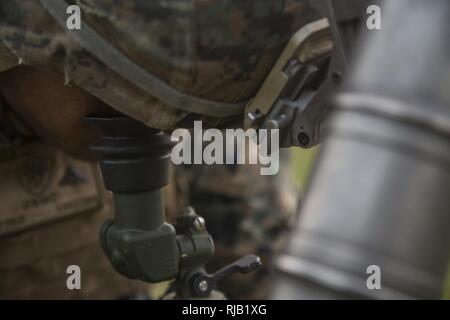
(203, 285)
(303, 139)
(199, 223)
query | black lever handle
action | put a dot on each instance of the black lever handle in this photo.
(204, 283)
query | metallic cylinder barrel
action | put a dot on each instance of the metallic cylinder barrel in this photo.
(380, 194)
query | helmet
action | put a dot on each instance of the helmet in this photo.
(164, 63)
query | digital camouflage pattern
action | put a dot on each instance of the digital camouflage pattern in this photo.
(220, 50)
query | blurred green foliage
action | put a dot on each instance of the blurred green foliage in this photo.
(303, 161)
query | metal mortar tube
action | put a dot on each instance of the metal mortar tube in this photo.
(380, 193)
